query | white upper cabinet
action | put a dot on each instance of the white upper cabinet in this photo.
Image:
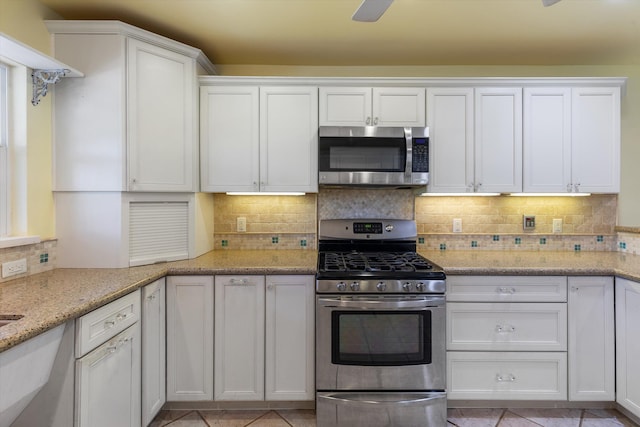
(379, 106)
(230, 138)
(498, 140)
(450, 121)
(130, 124)
(595, 142)
(572, 139)
(259, 138)
(475, 139)
(289, 138)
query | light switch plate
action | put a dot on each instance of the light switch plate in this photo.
(241, 224)
(13, 268)
(557, 225)
(457, 225)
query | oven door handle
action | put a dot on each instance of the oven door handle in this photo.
(384, 399)
(409, 304)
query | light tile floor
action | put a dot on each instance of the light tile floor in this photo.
(457, 418)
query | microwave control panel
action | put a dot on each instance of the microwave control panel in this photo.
(420, 155)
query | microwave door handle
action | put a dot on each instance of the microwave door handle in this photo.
(408, 167)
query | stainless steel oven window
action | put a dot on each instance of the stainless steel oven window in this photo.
(381, 338)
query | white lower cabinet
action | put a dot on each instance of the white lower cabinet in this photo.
(153, 350)
(264, 338)
(189, 338)
(507, 375)
(239, 338)
(290, 338)
(107, 384)
(591, 349)
(628, 344)
(532, 338)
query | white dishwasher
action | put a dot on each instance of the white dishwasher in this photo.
(107, 384)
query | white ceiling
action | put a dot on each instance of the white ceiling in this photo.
(411, 32)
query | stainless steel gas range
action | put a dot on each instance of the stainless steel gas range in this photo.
(380, 327)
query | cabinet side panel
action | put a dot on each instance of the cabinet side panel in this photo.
(89, 115)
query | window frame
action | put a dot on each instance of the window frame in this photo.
(5, 220)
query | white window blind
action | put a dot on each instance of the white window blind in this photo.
(158, 231)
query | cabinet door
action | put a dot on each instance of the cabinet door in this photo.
(108, 383)
(498, 140)
(239, 338)
(161, 119)
(289, 139)
(595, 129)
(628, 345)
(229, 138)
(591, 339)
(345, 106)
(290, 332)
(189, 338)
(547, 140)
(450, 121)
(399, 106)
(153, 350)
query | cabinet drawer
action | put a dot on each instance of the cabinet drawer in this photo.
(507, 376)
(507, 327)
(101, 324)
(507, 288)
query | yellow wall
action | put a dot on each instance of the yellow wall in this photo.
(23, 20)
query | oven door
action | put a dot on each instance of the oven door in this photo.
(380, 409)
(391, 342)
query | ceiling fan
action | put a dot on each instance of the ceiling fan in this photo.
(372, 10)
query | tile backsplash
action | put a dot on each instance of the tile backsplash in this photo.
(488, 223)
(40, 257)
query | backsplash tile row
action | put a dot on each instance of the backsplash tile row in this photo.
(595, 214)
(40, 257)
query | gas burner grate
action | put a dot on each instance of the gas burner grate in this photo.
(375, 262)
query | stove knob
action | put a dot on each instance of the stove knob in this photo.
(381, 286)
(406, 286)
(341, 286)
(355, 286)
(420, 287)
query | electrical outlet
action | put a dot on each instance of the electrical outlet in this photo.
(13, 268)
(557, 225)
(241, 224)
(457, 225)
(528, 222)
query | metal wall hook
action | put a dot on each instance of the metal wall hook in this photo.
(41, 80)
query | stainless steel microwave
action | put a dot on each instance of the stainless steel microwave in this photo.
(373, 156)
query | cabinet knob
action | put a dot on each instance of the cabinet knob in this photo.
(375, 121)
(368, 121)
(577, 187)
(569, 187)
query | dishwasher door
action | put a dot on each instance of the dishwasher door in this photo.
(108, 383)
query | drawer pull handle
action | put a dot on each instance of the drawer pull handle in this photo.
(109, 324)
(505, 329)
(239, 281)
(509, 378)
(506, 291)
(120, 317)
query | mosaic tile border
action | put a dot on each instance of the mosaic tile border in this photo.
(262, 241)
(524, 242)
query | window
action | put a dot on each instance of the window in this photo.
(4, 165)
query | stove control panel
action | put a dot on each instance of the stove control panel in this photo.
(381, 286)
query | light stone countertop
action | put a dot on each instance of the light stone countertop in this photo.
(52, 298)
